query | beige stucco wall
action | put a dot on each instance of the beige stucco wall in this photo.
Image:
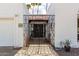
(15, 11)
(66, 23)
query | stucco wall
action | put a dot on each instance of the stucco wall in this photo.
(16, 11)
(66, 23)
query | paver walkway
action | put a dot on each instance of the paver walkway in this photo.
(37, 47)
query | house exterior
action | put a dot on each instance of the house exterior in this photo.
(12, 18)
(66, 16)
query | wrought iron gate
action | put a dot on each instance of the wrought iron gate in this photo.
(50, 27)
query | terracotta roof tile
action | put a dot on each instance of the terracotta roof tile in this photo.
(38, 17)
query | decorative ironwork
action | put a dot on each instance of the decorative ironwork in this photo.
(50, 27)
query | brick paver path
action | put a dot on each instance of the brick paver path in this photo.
(37, 47)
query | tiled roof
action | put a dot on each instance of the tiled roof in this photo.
(36, 17)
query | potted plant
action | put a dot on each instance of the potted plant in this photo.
(67, 46)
